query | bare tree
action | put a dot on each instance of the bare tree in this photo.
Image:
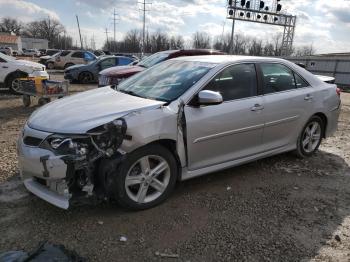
(304, 50)
(201, 40)
(10, 25)
(48, 29)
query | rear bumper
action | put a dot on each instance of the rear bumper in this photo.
(333, 118)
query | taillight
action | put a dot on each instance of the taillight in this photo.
(338, 90)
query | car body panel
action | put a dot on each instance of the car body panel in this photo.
(84, 113)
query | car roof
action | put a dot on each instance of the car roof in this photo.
(221, 59)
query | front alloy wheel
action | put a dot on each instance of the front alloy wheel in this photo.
(146, 177)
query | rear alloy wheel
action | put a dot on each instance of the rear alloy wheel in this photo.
(146, 177)
(85, 78)
(311, 137)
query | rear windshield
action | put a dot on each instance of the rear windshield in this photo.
(153, 59)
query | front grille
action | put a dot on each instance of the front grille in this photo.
(32, 141)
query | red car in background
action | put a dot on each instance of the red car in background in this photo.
(114, 75)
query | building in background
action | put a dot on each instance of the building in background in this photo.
(34, 43)
(13, 41)
(336, 65)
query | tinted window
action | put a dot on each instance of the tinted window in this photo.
(89, 56)
(124, 61)
(78, 55)
(153, 59)
(64, 53)
(107, 63)
(235, 82)
(277, 78)
(300, 82)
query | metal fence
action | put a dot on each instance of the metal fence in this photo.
(339, 68)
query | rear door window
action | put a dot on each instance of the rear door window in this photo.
(124, 61)
(277, 78)
(107, 63)
(64, 53)
(78, 54)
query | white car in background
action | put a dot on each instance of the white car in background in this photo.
(11, 69)
(31, 52)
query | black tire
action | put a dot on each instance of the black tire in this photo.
(50, 65)
(300, 151)
(42, 101)
(68, 65)
(121, 194)
(85, 77)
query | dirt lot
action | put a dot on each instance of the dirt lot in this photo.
(277, 209)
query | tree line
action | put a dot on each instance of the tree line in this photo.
(47, 28)
(55, 33)
(242, 45)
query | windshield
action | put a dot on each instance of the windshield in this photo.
(6, 57)
(166, 81)
(153, 59)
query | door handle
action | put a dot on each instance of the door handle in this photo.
(257, 107)
(308, 97)
(5, 67)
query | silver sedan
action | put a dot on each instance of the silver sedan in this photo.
(177, 120)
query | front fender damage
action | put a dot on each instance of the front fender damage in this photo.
(89, 159)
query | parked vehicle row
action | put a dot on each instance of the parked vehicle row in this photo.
(114, 75)
(176, 120)
(88, 73)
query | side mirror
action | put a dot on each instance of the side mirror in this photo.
(207, 97)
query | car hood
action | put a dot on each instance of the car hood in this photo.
(27, 63)
(79, 113)
(122, 71)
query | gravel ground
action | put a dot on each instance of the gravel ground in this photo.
(276, 209)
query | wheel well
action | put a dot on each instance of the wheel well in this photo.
(171, 146)
(325, 122)
(86, 72)
(17, 74)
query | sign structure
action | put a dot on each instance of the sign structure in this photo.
(263, 12)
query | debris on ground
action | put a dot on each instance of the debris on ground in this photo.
(158, 254)
(123, 239)
(45, 252)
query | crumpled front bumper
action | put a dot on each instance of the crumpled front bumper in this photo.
(42, 171)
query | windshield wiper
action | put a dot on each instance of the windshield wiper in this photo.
(142, 66)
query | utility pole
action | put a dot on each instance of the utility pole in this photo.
(106, 32)
(144, 25)
(233, 30)
(81, 42)
(115, 19)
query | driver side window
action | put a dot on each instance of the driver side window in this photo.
(235, 82)
(107, 63)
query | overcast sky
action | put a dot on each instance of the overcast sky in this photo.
(323, 23)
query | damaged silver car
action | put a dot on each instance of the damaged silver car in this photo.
(177, 120)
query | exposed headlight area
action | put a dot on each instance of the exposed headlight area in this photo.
(83, 154)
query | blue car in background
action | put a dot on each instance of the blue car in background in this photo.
(89, 73)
